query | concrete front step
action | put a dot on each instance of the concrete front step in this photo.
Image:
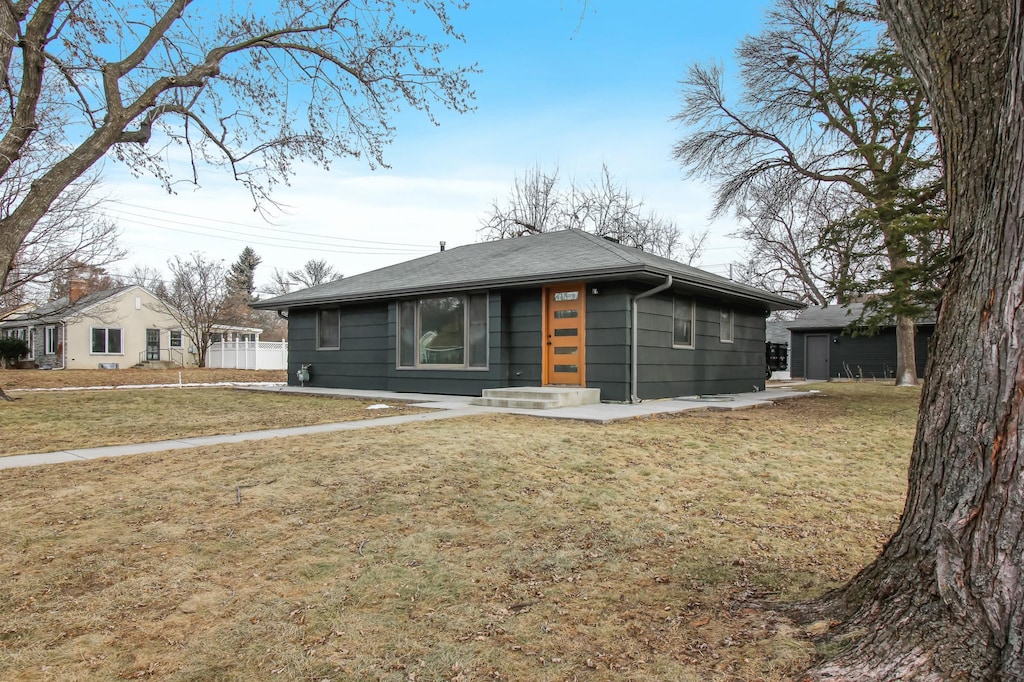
(157, 364)
(538, 397)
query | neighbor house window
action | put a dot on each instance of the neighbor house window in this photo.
(175, 340)
(725, 325)
(50, 340)
(682, 323)
(106, 340)
(328, 333)
(447, 331)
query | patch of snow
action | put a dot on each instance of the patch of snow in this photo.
(379, 406)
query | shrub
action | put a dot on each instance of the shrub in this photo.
(12, 350)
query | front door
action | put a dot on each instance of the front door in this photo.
(564, 330)
(816, 357)
(152, 344)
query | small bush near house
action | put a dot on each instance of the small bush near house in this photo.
(12, 350)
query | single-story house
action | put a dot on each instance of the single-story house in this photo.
(563, 308)
(116, 328)
(823, 347)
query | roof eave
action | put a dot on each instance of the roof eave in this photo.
(771, 301)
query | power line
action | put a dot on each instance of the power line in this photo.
(250, 226)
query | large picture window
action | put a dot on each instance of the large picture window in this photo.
(447, 331)
(329, 329)
(106, 341)
(682, 323)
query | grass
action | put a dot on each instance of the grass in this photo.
(52, 421)
(19, 379)
(491, 547)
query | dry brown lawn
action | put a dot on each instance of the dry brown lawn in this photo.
(38, 378)
(494, 547)
(59, 420)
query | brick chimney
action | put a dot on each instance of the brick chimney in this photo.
(77, 288)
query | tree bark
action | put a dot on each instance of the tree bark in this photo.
(945, 599)
(906, 351)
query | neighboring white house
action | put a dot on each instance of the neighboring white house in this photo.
(119, 327)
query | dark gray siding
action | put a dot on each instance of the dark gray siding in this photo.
(608, 340)
(711, 366)
(362, 358)
(367, 358)
(859, 357)
(523, 341)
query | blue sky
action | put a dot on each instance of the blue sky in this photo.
(557, 89)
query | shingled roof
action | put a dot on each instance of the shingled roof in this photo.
(61, 308)
(560, 256)
(835, 317)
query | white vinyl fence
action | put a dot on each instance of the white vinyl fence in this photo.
(248, 355)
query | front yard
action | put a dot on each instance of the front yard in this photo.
(491, 547)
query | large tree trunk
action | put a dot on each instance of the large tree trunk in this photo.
(945, 600)
(906, 351)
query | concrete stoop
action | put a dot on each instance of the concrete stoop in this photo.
(538, 397)
(157, 364)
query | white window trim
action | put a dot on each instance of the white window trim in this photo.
(693, 323)
(106, 340)
(732, 325)
(50, 332)
(170, 338)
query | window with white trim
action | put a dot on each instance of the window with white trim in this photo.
(682, 322)
(328, 329)
(445, 332)
(50, 340)
(175, 339)
(106, 341)
(725, 325)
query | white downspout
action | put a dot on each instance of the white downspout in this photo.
(63, 346)
(634, 352)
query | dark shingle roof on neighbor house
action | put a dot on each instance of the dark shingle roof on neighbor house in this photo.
(61, 308)
(560, 256)
(834, 317)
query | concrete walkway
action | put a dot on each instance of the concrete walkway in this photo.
(445, 407)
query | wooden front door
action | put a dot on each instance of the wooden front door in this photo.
(564, 335)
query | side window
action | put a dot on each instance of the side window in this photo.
(106, 341)
(725, 325)
(329, 329)
(682, 323)
(175, 341)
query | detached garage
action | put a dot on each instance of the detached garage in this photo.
(824, 346)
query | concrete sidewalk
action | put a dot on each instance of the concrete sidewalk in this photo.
(446, 407)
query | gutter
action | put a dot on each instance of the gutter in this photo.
(633, 350)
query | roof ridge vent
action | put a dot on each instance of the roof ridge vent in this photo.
(611, 238)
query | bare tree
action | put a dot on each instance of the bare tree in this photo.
(148, 278)
(785, 224)
(74, 233)
(250, 88)
(534, 205)
(827, 99)
(604, 207)
(197, 298)
(945, 598)
(315, 272)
